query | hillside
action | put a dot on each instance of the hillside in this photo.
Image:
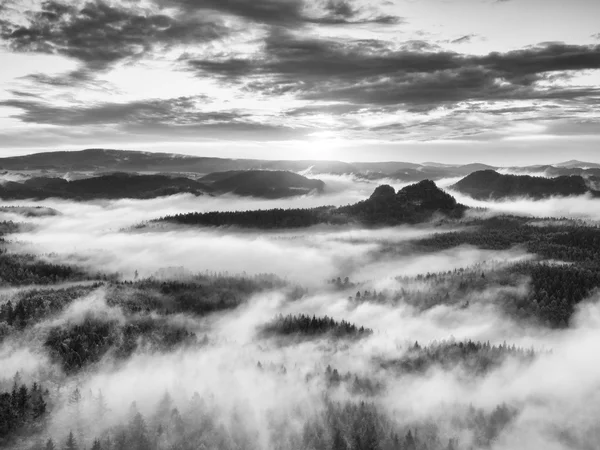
(488, 184)
(135, 161)
(412, 204)
(385, 207)
(113, 186)
(109, 160)
(578, 164)
(266, 184)
(262, 183)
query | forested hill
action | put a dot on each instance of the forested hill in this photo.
(97, 159)
(111, 186)
(262, 183)
(413, 204)
(486, 184)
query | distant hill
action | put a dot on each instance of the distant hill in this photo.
(555, 171)
(134, 161)
(262, 183)
(488, 184)
(30, 211)
(113, 186)
(109, 160)
(78, 164)
(266, 184)
(578, 164)
(385, 207)
(428, 171)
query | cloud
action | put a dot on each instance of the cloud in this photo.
(463, 39)
(583, 207)
(555, 391)
(78, 77)
(291, 13)
(372, 72)
(154, 111)
(99, 34)
(279, 70)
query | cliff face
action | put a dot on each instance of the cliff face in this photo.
(411, 204)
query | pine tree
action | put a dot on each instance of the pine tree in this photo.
(409, 441)
(38, 404)
(101, 408)
(49, 445)
(75, 397)
(71, 444)
(339, 443)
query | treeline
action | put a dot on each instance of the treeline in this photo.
(22, 409)
(8, 227)
(347, 425)
(572, 241)
(199, 294)
(263, 219)
(356, 385)
(77, 345)
(558, 285)
(552, 295)
(474, 358)
(20, 270)
(305, 325)
(33, 305)
(29, 211)
(412, 204)
(556, 289)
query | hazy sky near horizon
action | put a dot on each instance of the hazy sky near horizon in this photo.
(499, 81)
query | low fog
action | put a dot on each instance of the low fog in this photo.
(583, 207)
(265, 391)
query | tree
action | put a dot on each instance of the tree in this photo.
(71, 444)
(409, 441)
(49, 445)
(138, 433)
(339, 443)
(75, 397)
(101, 408)
(38, 404)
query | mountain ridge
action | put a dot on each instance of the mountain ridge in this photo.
(489, 184)
(416, 203)
(265, 184)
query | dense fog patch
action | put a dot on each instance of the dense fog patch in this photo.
(325, 337)
(584, 207)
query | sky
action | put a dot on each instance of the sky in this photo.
(497, 81)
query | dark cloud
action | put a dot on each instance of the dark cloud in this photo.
(78, 77)
(100, 34)
(417, 45)
(343, 12)
(371, 72)
(463, 39)
(178, 118)
(177, 111)
(289, 13)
